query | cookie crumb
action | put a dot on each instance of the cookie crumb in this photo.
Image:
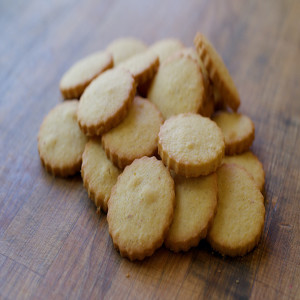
(237, 281)
(127, 275)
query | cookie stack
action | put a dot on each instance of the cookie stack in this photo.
(160, 146)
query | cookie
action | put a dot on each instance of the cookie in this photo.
(140, 208)
(191, 145)
(238, 131)
(98, 173)
(60, 140)
(196, 203)
(239, 221)
(106, 101)
(251, 164)
(136, 136)
(217, 71)
(81, 74)
(124, 48)
(178, 87)
(142, 66)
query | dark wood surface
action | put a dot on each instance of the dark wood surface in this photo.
(52, 242)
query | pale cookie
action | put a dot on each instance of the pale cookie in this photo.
(124, 48)
(239, 221)
(98, 173)
(136, 136)
(251, 164)
(80, 75)
(238, 131)
(60, 140)
(106, 101)
(191, 145)
(140, 208)
(217, 71)
(178, 87)
(196, 203)
(142, 66)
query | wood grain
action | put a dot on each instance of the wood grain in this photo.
(52, 242)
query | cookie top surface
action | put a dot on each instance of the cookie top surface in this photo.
(196, 202)
(136, 136)
(98, 173)
(239, 221)
(140, 209)
(124, 48)
(105, 102)
(191, 145)
(60, 140)
(178, 87)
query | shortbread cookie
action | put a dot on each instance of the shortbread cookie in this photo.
(239, 221)
(196, 203)
(124, 48)
(217, 71)
(136, 136)
(140, 208)
(60, 140)
(191, 145)
(142, 66)
(251, 164)
(98, 173)
(178, 87)
(80, 75)
(106, 101)
(238, 131)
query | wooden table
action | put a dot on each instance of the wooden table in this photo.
(52, 242)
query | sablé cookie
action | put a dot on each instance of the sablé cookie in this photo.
(140, 208)
(196, 203)
(251, 164)
(98, 173)
(238, 131)
(136, 136)
(142, 66)
(239, 221)
(178, 87)
(80, 75)
(106, 101)
(60, 140)
(191, 145)
(217, 71)
(124, 48)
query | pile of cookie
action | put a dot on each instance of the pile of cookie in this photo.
(160, 147)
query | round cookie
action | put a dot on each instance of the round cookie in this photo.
(239, 221)
(191, 145)
(136, 136)
(238, 131)
(178, 87)
(217, 71)
(196, 203)
(251, 164)
(140, 208)
(60, 140)
(98, 173)
(124, 48)
(106, 101)
(81, 74)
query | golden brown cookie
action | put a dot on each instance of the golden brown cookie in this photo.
(196, 203)
(140, 209)
(106, 101)
(191, 145)
(217, 71)
(81, 74)
(98, 173)
(238, 131)
(136, 136)
(239, 221)
(60, 140)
